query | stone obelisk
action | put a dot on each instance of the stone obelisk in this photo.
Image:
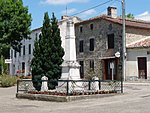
(70, 66)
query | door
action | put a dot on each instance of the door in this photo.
(110, 70)
(142, 67)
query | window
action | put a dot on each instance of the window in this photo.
(11, 53)
(81, 46)
(29, 48)
(81, 69)
(92, 64)
(91, 26)
(111, 41)
(15, 53)
(20, 51)
(81, 29)
(92, 44)
(24, 50)
(23, 66)
(36, 35)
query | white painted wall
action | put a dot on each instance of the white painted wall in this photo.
(16, 64)
(132, 64)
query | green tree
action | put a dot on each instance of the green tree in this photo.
(130, 16)
(15, 23)
(47, 53)
(36, 66)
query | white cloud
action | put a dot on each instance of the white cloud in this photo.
(62, 2)
(69, 11)
(144, 16)
(87, 13)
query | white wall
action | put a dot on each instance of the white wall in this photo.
(132, 64)
(16, 64)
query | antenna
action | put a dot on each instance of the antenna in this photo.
(66, 9)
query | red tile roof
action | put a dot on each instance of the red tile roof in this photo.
(118, 20)
(140, 43)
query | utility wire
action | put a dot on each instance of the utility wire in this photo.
(105, 7)
(92, 7)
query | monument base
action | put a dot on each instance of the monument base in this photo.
(70, 71)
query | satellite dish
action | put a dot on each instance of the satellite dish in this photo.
(117, 54)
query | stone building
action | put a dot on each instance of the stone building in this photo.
(21, 61)
(99, 38)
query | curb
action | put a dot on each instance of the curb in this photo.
(137, 83)
(57, 98)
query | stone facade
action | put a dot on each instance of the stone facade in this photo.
(101, 30)
(102, 27)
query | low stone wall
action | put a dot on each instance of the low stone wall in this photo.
(59, 98)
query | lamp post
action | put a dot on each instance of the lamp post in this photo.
(123, 41)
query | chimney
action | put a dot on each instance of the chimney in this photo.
(64, 17)
(112, 12)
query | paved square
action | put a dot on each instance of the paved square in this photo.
(136, 99)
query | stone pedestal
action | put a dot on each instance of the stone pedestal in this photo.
(44, 86)
(95, 84)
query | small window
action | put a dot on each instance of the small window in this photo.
(11, 53)
(92, 64)
(29, 48)
(36, 35)
(20, 51)
(111, 41)
(91, 26)
(81, 46)
(23, 66)
(24, 50)
(81, 29)
(81, 69)
(148, 52)
(92, 44)
(15, 53)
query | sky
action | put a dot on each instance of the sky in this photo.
(139, 8)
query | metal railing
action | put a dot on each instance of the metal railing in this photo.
(69, 87)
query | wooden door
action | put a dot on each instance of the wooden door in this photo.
(142, 67)
(110, 70)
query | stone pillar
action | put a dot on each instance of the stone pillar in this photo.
(44, 86)
(96, 83)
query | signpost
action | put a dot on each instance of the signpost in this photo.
(112, 69)
(8, 61)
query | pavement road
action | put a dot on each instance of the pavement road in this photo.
(136, 99)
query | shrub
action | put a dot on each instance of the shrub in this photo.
(8, 81)
(89, 74)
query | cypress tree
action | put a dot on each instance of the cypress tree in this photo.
(47, 54)
(36, 66)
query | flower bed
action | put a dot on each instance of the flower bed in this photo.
(71, 94)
